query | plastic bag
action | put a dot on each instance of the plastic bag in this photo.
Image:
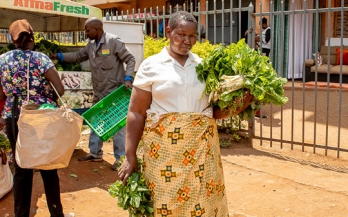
(6, 177)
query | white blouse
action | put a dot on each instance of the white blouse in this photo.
(174, 88)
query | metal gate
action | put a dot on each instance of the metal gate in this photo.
(315, 119)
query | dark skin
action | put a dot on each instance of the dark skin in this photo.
(264, 25)
(2, 123)
(94, 31)
(182, 39)
(27, 43)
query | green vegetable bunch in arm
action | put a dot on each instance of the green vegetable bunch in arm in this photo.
(231, 70)
(135, 195)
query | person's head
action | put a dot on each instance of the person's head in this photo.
(177, 8)
(182, 32)
(22, 34)
(202, 30)
(264, 23)
(94, 28)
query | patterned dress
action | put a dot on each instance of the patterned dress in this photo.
(182, 166)
(182, 163)
(13, 72)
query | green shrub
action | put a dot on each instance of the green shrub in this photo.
(49, 47)
(153, 46)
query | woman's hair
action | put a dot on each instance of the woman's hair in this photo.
(24, 37)
(178, 16)
(264, 20)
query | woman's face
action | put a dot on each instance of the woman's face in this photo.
(182, 37)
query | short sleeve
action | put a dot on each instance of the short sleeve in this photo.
(144, 77)
(44, 62)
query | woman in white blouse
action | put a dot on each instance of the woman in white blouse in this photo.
(168, 112)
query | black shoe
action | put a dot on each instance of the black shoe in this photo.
(115, 165)
(90, 158)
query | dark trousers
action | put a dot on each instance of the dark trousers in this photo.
(23, 182)
(266, 51)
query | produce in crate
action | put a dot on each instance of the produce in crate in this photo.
(229, 71)
(72, 80)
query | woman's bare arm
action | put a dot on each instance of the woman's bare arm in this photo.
(53, 76)
(140, 102)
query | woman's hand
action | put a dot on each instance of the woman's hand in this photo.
(128, 84)
(128, 166)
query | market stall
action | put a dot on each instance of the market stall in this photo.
(67, 16)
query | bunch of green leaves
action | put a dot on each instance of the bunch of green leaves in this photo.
(48, 47)
(258, 76)
(4, 142)
(135, 195)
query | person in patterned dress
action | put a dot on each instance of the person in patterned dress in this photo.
(17, 67)
(169, 113)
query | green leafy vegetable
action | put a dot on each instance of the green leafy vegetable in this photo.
(223, 70)
(134, 196)
(48, 47)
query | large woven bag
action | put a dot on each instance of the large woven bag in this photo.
(47, 138)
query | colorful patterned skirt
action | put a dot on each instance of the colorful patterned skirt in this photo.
(182, 166)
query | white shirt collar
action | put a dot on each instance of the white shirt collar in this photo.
(166, 57)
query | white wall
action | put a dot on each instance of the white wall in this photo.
(336, 41)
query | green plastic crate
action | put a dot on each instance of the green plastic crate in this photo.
(108, 116)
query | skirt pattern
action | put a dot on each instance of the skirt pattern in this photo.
(182, 166)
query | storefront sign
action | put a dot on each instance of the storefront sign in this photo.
(60, 7)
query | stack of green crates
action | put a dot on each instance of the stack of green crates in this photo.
(108, 116)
